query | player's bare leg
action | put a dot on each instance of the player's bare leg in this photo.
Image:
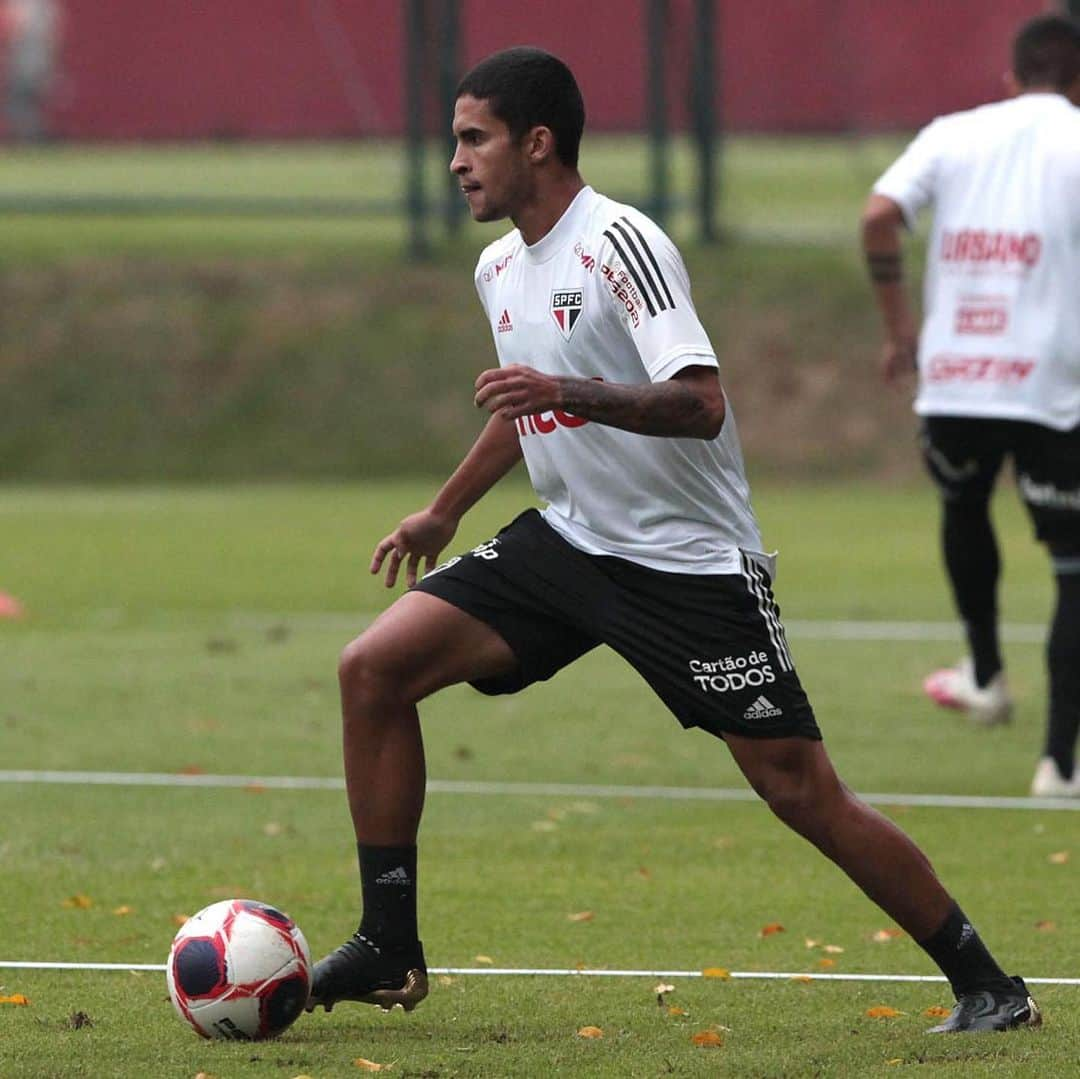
(798, 782)
(417, 646)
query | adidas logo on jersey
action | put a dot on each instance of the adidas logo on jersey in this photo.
(505, 325)
(762, 708)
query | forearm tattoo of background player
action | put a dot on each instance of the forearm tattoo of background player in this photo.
(656, 408)
(884, 268)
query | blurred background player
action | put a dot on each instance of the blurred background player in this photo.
(30, 31)
(998, 355)
(609, 389)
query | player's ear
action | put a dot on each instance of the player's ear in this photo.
(1012, 84)
(540, 144)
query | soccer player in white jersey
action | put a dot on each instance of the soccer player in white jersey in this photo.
(608, 387)
(998, 356)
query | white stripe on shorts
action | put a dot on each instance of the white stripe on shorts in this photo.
(755, 582)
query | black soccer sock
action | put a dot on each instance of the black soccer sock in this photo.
(388, 886)
(1063, 662)
(960, 953)
(974, 566)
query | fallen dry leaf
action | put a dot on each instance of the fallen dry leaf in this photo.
(811, 943)
(122, 910)
(771, 929)
(716, 972)
(806, 978)
(255, 788)
(1044, 925)
(826, 963)
(17, 999)
(674, 1009)
(644, 873)
(369, 1065)
(590, 1032)
(544, 826)
(78, 902)
(833, 949)
(272, 828)
(180, 919)
(707, 1039)
(445, 979)
(882, 1011)
(936, 1011)
(192, 770)
(484, 959)
(1060, 857)
(882, 936)
(581, 916)
(894, 1061)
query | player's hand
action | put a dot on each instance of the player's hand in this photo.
(420, 536)
(517, 390)
(899, 358)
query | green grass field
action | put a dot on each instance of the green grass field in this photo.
(197, 629)
(794, 190)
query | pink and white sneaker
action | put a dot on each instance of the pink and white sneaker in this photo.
(954, 687)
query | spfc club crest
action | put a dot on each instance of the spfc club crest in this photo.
(566, 309)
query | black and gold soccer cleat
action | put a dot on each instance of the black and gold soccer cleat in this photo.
(362, 971)
(991, 1010)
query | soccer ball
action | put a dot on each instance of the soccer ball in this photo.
(239, 969)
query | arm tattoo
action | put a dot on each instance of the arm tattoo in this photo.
(656, 408)
(884, 268)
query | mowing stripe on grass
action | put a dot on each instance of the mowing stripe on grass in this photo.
(532, 790)
(574, 972)
(804, 629)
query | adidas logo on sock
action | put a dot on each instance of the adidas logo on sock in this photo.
(394, 876)
(762, 708)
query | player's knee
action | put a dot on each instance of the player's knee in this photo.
(364, 674)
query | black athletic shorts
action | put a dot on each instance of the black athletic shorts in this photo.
(711, 647)
(964, 455)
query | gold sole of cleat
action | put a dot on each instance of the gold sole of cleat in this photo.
(1035, 1018)
(407, 997)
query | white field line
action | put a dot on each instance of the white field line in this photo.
(574, 972)
(527, 790)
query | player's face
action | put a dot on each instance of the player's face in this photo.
(489, 164)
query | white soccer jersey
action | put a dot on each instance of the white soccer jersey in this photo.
(1001, 331)
(605, 295)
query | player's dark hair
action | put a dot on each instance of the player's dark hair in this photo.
(1046, 52)
(527, 88)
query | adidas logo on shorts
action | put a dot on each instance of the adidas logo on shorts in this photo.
(762, 708)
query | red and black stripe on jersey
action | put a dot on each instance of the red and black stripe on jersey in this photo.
(627, 245)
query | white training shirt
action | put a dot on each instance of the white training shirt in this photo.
(605, 295)
(1001, 331)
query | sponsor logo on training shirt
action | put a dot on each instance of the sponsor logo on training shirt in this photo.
(504, 324)
(497, 268)
(732, 673)
(622, 288)
(1002, 369)
(983, 247)
(985, 317)
(587, 260)
(543, 423)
